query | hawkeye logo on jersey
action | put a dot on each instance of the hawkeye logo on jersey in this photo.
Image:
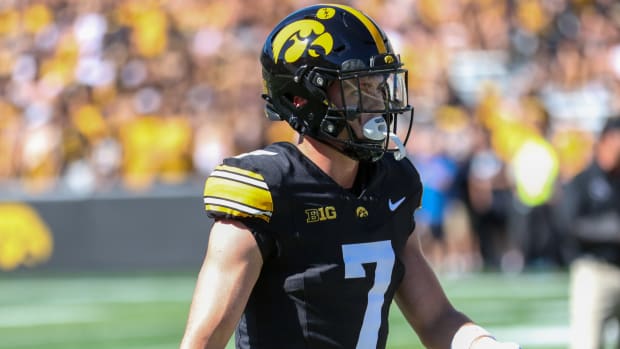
(320, 214)
(306, 35)
(361, 212)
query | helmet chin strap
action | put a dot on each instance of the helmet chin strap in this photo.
(376, 129)
(402, 151)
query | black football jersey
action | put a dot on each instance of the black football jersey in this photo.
(332, 258)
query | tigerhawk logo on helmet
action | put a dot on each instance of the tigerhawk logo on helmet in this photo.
(318, 46)
(299, 34)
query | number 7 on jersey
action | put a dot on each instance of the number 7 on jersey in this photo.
(355, 255)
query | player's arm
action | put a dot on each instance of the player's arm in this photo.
(427, 309)
(423, 302)
(231, 267)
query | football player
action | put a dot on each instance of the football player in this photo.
(313, 241)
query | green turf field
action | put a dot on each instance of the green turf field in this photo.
(149, 311)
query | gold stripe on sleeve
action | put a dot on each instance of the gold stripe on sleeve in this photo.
(239, 192)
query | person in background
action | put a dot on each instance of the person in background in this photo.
(437, 172)
(488, 197)
(590, 214)
(313, 241)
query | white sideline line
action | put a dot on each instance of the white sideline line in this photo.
(546, 335)
(97, 291)
(26, 316)
(533, 335)
(526, 336)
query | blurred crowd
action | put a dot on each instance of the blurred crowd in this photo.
(509, 97)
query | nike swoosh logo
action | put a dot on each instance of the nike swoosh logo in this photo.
(394, 205)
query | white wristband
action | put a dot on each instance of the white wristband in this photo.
(466, 335)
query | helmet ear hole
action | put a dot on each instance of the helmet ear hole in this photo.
(299, 102)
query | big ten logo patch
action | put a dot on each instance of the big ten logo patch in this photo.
(320, 214)
(24, 237)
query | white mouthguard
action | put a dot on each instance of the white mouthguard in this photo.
(376, 130)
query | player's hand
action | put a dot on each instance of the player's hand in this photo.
(490, 343)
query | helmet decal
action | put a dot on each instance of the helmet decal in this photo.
(300, 33)
(325, 13)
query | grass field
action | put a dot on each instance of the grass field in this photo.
(149, 311)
